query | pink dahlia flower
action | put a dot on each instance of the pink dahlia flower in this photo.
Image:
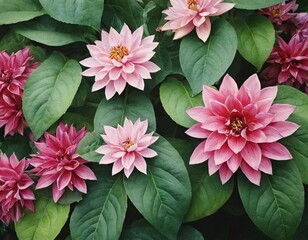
(11, 114)
(127, 146)
(184, 15)
(280, 12)
(15, 192)
(58, 164)
(15, 70)
(241, 127)
(300, 22)
(120, 58)
(288, 63)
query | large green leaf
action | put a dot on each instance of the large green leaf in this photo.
(83, 12)
(176, 97)
(112, 112)
(12, 42)
(297, 143)
(14, 11)
(254, 4)
(100, 215)
(88, 145)
(204, 63)
(163, 195)
(256, 37)
(50, 32)
(276, 206)
(45, 223)
(189, 233)
(49, 92)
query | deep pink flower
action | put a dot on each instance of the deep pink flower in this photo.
(120, 58)
(11, 114)
(184, 15)
(15, 192)
(58, 164)
(15, 70)
(241, 127)
(280, 12)
(127, 146)
(288, 63)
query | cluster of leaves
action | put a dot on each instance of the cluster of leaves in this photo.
(174, 199)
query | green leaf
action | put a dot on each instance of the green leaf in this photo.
(14, 11)
(297, 143)
(112, 112)
(276, 206)
(16, 144)
(163, 195)
(48, 31)
(205, 63)
(49, 92)
(45, 223)
(70, 197)
(78, 120)
(87, 146)
(12, 42)
(176, 97)
(254, 4)
(100, 215)
(189, 233)
(82, 12)
(256, 38)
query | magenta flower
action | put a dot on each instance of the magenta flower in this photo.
(11, 113)
(184, 15)
(58, 164)
(15, 70)
(120, 58)
(127, 146)
(241, 127)
(15, 192)
(288, 63)
(300, 22)
(280, 12)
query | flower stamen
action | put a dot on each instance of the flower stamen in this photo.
(276, 12)
(118, 52)
(127, 143)
(192, 4)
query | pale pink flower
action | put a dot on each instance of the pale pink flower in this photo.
(127, 146)
(11, 114)
(280, 12)
(15, 70)
(59, 164)
(288, 63)
(120, 58)
(242, 128)
(184, 15)
(15, 192)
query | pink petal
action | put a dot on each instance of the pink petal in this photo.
(204, 30)
(215, 141)
(234, 162)
(275, 151)
(199, 113)
(117, 167)
(222, 8)
(46, 180)
(224, 173)
(266, 165)
(56, 193)
(212, 166)
(281, 111)
(223, 154)
(64, 179)
(285, 128)
(228, 86)
(199, 155)
(236, 144)
(84, 172)
(128, 160)
(253, 85)
(183, 31)
(252, 154)
(140, 164)
(219, 109)
(110, 90)
(148, 153)
(254, 176)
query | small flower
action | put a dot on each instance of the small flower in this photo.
(15, 192)
(241, 127)
(15, 70)
(280, 12)
(300, 22)
(127, 146)
(58, 164)
(120, 58)
(288, 63)
(184, 15)
(11, 114)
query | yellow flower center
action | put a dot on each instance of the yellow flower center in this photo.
(127, 143)
(276, 12)
(237, 125)
(118, 52)
(192, 4)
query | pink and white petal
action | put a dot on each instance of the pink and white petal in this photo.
(253, 176)
(46, 180)
(183, 31)
(80, 184)
(215, 141)
(56, 193)
(256, 136)
(233, 104)
(269, 92)
(253, 85)
(126, 36)
(151, 67)
(212, 167)
(107, 159)
(84, 172)
(228, 86)
(204, 30)
(110, 90)
(236, 143)
(148, 153)
(140, 164)
(119, 85)
(115, 73)
(281, 111)
(209, 94)
(266, 166)
(90, 62)
(234, 162)
(214, 123)
(225, 173)
(199, 155)
(99, 85)
(117, 167)
(222, 8)
(129, 171)
(91, 71)
(223, 154)
(276, 151)
(285, 128)
(64, 179)
(128, 160)
(114, 38)
(198, 20)
(252, 155)
(272, 134)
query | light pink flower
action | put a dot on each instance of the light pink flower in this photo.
(280, 12)
(241, 127)
(120, 58)
(127, 146)
(15, 192)
(288, 63)
(184, 15)
(58, 164)
(11, 114)
(15, 70)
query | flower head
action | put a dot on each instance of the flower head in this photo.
(127, 146)
(241, 127)
(15, 192)
(15, 70)
(300, 22)
(184, 15)
(120, 58)
(288, 62)
(58, 164)
(280, 12)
